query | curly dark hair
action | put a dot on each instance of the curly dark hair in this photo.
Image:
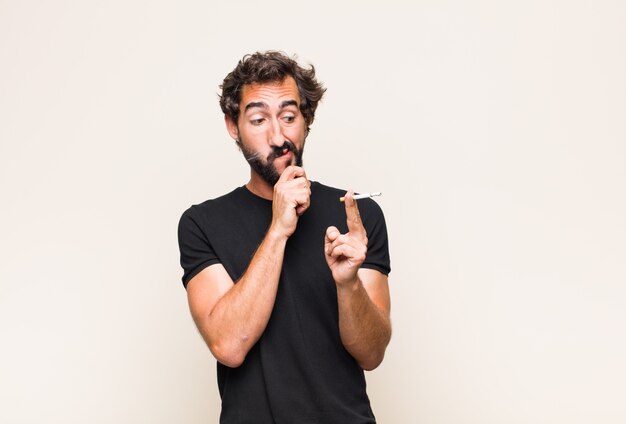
(267, 67)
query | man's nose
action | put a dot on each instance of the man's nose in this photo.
(277, 137)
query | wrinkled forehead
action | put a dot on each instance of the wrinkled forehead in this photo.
(270, 92)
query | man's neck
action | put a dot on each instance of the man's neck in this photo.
(260, 187)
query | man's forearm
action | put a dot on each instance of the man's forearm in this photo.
(239, 318)
(365, 330)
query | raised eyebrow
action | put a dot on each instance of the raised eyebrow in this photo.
(264, 105)
(251, 105)
(288, 103)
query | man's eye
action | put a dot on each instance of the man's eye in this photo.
(257, 121)
(289, 119)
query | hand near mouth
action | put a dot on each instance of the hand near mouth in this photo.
(292, 196)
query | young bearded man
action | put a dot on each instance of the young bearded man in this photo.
(286, 284)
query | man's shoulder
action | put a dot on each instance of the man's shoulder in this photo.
(322, 189)
(217, 203)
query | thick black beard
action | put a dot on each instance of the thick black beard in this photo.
(266, 168)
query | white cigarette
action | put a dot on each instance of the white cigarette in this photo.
(362, 196)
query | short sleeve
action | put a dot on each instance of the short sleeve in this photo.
(378, 245)
(196, 252)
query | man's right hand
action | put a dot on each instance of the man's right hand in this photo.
(292, 197)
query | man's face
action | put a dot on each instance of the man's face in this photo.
(271, 129)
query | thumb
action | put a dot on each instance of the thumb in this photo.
(331, 235)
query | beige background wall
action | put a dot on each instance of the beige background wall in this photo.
(496, 131)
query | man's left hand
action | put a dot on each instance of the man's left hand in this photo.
(346, 252)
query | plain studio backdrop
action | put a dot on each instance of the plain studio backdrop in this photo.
(495, 130)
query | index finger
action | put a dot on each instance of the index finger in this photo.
(353, 217)
(292, 172)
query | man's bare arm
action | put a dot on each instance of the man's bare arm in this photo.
(231, 317)
(364, 322)
(362, 294)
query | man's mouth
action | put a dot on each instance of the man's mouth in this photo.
(283, 150)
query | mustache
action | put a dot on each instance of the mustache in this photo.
(278, 151)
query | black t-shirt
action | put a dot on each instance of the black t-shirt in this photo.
(298, 371)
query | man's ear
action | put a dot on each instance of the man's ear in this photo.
(232, 128)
